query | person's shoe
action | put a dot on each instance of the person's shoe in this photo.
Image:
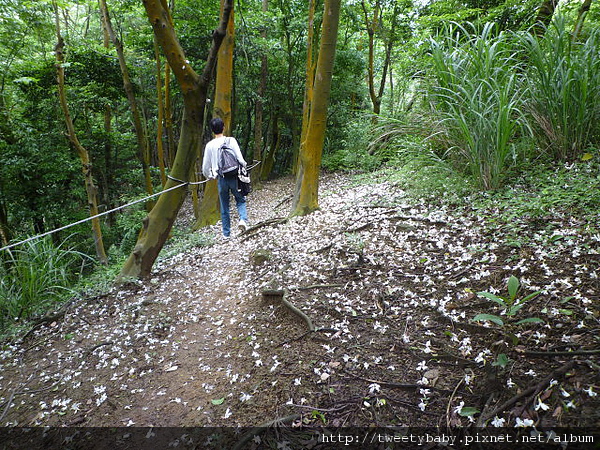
(243, 226)
(225, 238)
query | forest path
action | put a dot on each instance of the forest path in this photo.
(197, 345)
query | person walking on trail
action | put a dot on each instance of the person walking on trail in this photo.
(227, 178)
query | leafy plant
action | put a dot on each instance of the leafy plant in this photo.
(510, 304)
(477, 98)
(563, 79)
(34, 277)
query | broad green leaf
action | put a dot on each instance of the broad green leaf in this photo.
(566, 312)
(529, 320)
(493, 298)
(218, 401)
(514, 309)
(502, 360)
(468, 411)
(531, 296)
(488, 317)
(513, 287)
(586, 156)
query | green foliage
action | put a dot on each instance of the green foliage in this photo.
(350, 151)
(564, 86)
(509, 303)
(35, 277)
(544, 191)
(478, 102)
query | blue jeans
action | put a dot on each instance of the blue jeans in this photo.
(225, 186)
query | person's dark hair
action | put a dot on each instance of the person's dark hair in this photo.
(217, 125)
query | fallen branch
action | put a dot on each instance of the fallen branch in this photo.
(360, 227)
(286, 199)
(95, 347)
(315, 286)
(527, 392)
(562, 353)
(407, 386)
(266, 223)
(50, 317)
(420, 219)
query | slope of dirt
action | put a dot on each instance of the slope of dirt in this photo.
(390, 286)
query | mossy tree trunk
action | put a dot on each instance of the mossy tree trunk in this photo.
(86, 165)
(143, 148)
(309, 82)
(194, 87)
(209, 213)
(259, 108)
(307, 181)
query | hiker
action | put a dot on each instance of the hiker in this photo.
(227, 177)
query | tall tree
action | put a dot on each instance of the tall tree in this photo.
(160, 153)
(581, 15)
(544, 16)
(86, 164)
(373, 24)
(209, 209)
(309, 81)
(307, 181)
(194, 87)
(140, 132)
(262, 88)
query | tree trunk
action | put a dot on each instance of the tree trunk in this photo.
(209, 213)
(262, 88)
(158, 223)
(269, 157)
(107, 179)
(5, 235)
(309, 84)
(544, 17)
(371, 25)
(160, 153)
(581, 15)
(307, 182)
(142, 139)
(86, 165)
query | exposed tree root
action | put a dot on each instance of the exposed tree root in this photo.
(281, 294)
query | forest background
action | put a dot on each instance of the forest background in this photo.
(488, 94)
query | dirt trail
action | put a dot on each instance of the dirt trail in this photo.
(394, 280)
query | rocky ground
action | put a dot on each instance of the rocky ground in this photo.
(360, 314)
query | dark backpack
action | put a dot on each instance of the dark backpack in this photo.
(227, 159)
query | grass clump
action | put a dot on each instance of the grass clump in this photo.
(36, 277)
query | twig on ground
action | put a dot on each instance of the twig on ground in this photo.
(275, 221)
(527, 392)
(286, 199)
(50, 317)
(360, 227)
(562, 353)
(450, 402)
(315, 286)
(95, 347)
(407, 386)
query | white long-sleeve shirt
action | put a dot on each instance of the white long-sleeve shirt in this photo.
(210, 163)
